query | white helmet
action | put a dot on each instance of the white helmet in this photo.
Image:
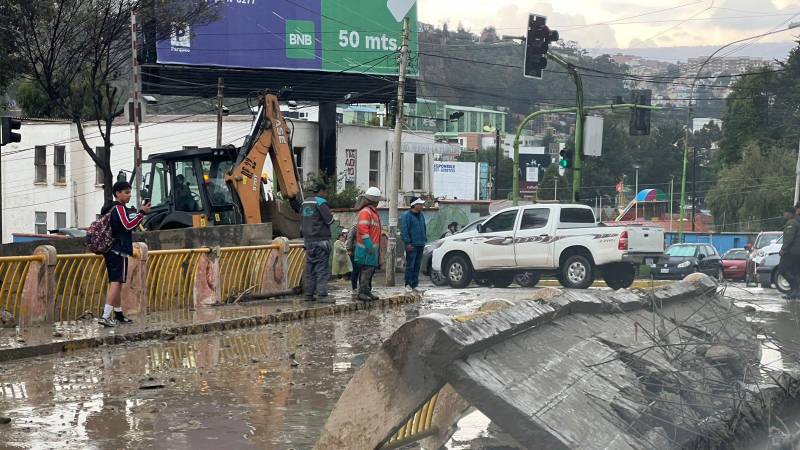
(373, 194)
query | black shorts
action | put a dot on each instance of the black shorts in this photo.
(117, 266)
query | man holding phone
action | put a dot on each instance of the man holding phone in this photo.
(123, 221)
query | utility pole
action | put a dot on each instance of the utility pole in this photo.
(694, 184)
(797, 179)
(636, 192)
(137, 109)
(394, 187)
(671, 200)
(496, 160)
(220, 87)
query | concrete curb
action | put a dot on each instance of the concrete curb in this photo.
(170, 332)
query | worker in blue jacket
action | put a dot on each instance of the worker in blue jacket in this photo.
(415, 235)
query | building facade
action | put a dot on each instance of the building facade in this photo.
(49, 181)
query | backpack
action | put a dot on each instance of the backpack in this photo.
(351, 239)
(99, 239)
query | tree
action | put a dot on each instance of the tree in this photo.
(78, 54)
(547, 187)
(8, 60)
(752, 193)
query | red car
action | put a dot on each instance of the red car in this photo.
(734, 264)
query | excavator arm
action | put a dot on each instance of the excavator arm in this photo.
(269, 136)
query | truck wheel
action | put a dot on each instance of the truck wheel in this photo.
(528, 279)
(437, 278)
(618, 275)
(577, 272)
(458, 272)
(502, 279)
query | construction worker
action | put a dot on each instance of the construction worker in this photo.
(368, 242)
(790, 253)
(415, 235)
(317, 220)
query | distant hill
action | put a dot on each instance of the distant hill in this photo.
(768, 50)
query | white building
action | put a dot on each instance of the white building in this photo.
(49, 181)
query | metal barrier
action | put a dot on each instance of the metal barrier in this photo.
(170, 278)
(297, 263)
(418, 426)
(241, 269)
(81, 286)
(13, 272)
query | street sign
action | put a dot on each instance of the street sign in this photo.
(593, 136)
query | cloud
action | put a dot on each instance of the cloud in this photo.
(511, 18)
(639, 43)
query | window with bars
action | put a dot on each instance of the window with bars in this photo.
(298, 160)
(40, 163)
(61, 220)
(101, 154)
(419, 172)
(40, 222)
(60, 164)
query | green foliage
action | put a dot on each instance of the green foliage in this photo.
(548, 185)
(344, 198)
(751, 194)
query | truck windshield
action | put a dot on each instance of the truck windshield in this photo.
(681, 250)
(214, 178)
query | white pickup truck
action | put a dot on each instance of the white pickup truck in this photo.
(548, 239)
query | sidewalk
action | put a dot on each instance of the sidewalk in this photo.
(16, 343)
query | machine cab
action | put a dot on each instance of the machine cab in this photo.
(187, 188)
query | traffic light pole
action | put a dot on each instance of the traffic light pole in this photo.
(534, 115)
(577, 164)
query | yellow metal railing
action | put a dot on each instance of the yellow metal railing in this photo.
(297, 263)
(81, 285)
(241, 269)
(170, 278)
(419, 426)
(13, 271)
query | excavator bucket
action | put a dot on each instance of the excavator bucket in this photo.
(285, 221)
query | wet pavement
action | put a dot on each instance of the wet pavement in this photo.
(265, 387)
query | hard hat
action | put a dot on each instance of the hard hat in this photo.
(418, 201)
(373, 194)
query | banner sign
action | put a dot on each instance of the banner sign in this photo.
(350, 165)
(354, 36)
(436, 148)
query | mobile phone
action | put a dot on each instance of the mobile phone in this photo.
(146, 201)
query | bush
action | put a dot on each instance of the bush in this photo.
(345, 198)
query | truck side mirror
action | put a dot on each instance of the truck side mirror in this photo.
(701, 256)
(479, 228)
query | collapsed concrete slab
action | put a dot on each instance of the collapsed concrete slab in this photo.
(672, 367)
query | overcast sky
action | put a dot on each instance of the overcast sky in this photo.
(625, 23)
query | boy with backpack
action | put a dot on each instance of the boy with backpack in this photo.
(117, 222)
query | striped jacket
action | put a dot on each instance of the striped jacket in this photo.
(368, 237)
(123, 221)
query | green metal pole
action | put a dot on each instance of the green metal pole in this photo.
(577, 165)
(531, 116)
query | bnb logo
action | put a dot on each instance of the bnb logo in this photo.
(300, 39)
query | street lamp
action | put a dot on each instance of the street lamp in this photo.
(636, 191)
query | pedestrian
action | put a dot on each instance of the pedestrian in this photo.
(341, 265)
(350, 244)
(451, 230)
(790, 253)
(368, 243)
(317, 220)
(123, 220)
(415, 235)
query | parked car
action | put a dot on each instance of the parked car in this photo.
(688, 258)
(427, 255)
(563, 240)
(763, 239)
(734, 264)
(766, 263)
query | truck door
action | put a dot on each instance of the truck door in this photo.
(533, 245)
(493, 246)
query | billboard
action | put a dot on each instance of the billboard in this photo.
(353, 36)
(456, 180)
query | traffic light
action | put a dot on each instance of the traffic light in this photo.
(640, 118)
(537, 42)
(7, 127)
(564, 161)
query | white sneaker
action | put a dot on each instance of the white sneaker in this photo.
(409, 290)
